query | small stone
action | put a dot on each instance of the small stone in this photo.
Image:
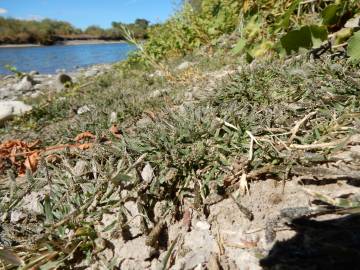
(34, 72)
(158, 93)
(80, 168)
(203, 225)
(135, 249)
(24, 85)
(113, 118)
(35, 94)
(155, 94)
(31, 202)
(16, 216)
(158, 73)
(147, 173)
(8, 109)
(353, 22)
(6, 113)
(135, 217)
(91, 73)
(83, 109)
(184, 65)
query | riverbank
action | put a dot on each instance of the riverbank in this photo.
(33, 84)
(64, 43)
(217, 165)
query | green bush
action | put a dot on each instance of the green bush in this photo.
(192, 28)
(264, 27)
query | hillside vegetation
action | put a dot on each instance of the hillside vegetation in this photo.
(261, 28)
(47, 32)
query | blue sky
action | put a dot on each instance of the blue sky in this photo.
(82, 13)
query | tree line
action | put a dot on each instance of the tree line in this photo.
(48, 32)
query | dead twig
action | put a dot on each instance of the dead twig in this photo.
(296, 128)
(248, 214)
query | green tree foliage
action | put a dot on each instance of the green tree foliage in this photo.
(43, 32)
(47, 32)
(139, 28)
(94, 30)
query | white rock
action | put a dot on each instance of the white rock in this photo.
(5, 113)
(24, 85)
(8, 109)
(147, 173)
(39, 87)
(135, 224)
(34, 72)
(35, 94)
(113, 117)
(200, 244)
(83, 109)
(184, 65)
(158, 93)
(91, 73)
(157, 73)
(353, 22)
(31, 202)
(16, 216)
(203, 225)
(135, 249)
(80, 168)
(5, 92)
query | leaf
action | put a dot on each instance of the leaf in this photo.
(261, 49)
(330, 14)
(169, 253)
(306, 37)
(285, 22)
(353, 50)
(296, 39)
(48, 210)
(343, 35)
(85, 231)
(115, 131)
(85, 146)
(32, 161)
(120, 178)
(240, 45)
(337, 202)
(84, 135)
(318, 35)
(110, 226)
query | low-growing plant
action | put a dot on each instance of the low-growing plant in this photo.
(264, 28)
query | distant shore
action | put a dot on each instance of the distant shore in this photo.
(64, 43)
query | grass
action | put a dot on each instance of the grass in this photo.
(265, 119)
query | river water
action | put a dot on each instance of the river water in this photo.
(49, 59)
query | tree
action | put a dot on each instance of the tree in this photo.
(142, 23)
(95, 30)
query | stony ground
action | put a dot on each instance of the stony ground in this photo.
(219, 167)
(19, 86)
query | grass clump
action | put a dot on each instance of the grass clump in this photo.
(270, 119)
